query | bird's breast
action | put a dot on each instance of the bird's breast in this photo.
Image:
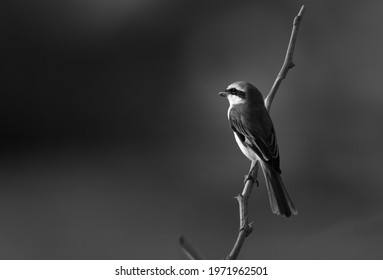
(246, 150)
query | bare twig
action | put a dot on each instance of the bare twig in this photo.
(245, 226)
(288, 63)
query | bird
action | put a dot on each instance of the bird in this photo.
(255, 135)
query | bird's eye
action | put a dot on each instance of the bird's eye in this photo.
(233, 90)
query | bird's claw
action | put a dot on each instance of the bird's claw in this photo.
(249, 177)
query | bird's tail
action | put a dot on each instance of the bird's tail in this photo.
(280, 201)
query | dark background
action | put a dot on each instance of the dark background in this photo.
(114, 141)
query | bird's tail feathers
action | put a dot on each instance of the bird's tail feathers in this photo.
(280, 201)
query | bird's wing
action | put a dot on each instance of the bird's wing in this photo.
(266, 149)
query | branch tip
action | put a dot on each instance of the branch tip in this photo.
(288, 63)
(301, 11)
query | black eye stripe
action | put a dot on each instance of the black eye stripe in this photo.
(236, 92)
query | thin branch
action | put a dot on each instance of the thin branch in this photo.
(190, 251)
(288, 63)
(246, 227)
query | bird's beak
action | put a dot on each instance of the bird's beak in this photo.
(223, 93)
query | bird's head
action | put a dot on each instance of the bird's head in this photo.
(240, 93)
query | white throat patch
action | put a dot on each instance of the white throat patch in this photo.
(235, 100)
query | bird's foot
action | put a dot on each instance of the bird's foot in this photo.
(249, 177)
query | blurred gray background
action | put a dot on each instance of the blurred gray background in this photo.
(114, 141)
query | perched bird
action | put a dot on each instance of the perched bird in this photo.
(255, 135)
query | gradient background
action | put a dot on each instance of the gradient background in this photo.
(114, 141)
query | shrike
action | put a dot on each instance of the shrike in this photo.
(255, 135)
